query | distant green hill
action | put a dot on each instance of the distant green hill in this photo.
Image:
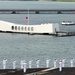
(42, 0)
(66, 0)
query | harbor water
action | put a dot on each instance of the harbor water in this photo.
(32, 47)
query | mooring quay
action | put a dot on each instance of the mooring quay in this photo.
(37, 11)
(39, 71)
(64, 33)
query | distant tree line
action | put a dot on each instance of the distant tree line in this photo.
(18, 0)
(65, 0)
(42, 0)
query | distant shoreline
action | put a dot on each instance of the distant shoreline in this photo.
(65, 0)
(43, 0)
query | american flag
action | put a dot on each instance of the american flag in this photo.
(26, 18)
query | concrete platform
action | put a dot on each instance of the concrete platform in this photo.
(64, 34)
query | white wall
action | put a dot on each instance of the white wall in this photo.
(43, 28)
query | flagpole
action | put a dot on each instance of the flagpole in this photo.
(28, 15)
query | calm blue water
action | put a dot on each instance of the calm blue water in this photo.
(21, 46)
